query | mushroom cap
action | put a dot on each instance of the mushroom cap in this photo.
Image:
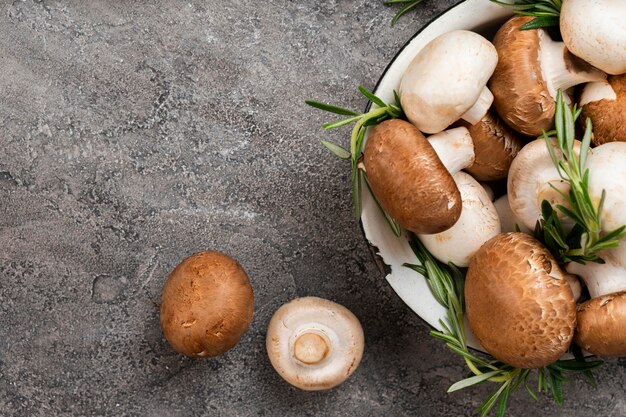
(408, 178)
(495, 146)
(531, 175)
(314, 344)
(206, 305)
(521, 95)
(596, 32)
(518, 303)
(607, 170)
(446, 78)
(601, 328)
(508, 221)
(608, 116)
(478, 223)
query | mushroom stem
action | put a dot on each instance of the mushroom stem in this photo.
(480, 108)
(311, 348)
(562, 70)
(596, 91)
(606, 278)
(455, 148)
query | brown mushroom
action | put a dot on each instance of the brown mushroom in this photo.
(601, 328)
(518, 302)
(495, 147)
(531, 69)
(605, 104)
(314, 344)
(409, 180)
(206, 305)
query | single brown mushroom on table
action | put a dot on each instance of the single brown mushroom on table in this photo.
(605, 104)
(206, 305)
(446, 81)
(531, 69)
(314, 344)
(410, 180)
(518, 302)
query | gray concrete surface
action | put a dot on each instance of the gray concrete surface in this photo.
(134, 134)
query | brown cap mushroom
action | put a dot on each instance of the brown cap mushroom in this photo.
(605, 104)
(601, 328)
(531, 69)
(314, 344)
(495, 146)
(206, 305)
(518, 303)
(409, 180)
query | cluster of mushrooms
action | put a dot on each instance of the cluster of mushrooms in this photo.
(207, 305)
(475, 109)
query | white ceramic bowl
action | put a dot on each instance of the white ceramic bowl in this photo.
(481, 16)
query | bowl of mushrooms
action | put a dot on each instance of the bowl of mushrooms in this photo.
(485, 176)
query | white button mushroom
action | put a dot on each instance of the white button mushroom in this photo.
(314, 344)
(532, 177)
(508, 221)
(478, 223)
(531, 69)
(447, 81)
(595, 30)
(607, 170)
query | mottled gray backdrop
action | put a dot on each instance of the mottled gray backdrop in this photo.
(134, 134)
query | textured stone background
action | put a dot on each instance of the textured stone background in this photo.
(136, 133)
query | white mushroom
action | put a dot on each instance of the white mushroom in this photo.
(532, 177)
(607, 171)
(314, 344)
(508, 221)
(447, 81)
(606, 278)
(596, 32)
(478, 223)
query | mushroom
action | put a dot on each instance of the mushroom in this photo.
(508, 221)
(518, 303)
(531, 69)
(478, 223)
(605, 104)
(532, 177)
(206, 305)
(607, 170)
(447, 81)
(409, 180)
(495, 146)
(600, 329)
(314, 344)
(596, 32)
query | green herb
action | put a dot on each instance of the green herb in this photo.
(546, 12)
(379, 111)
(584, 242)
(446, 284)
(406, 6)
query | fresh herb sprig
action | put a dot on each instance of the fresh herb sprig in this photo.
(546, 12)
(406, 6)
(584, 242)
(378, 112)
(446, 284)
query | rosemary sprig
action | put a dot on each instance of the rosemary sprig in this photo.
(378, 112)
(584, 241)
(446, 284)
(546, 12)
(406, 6)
